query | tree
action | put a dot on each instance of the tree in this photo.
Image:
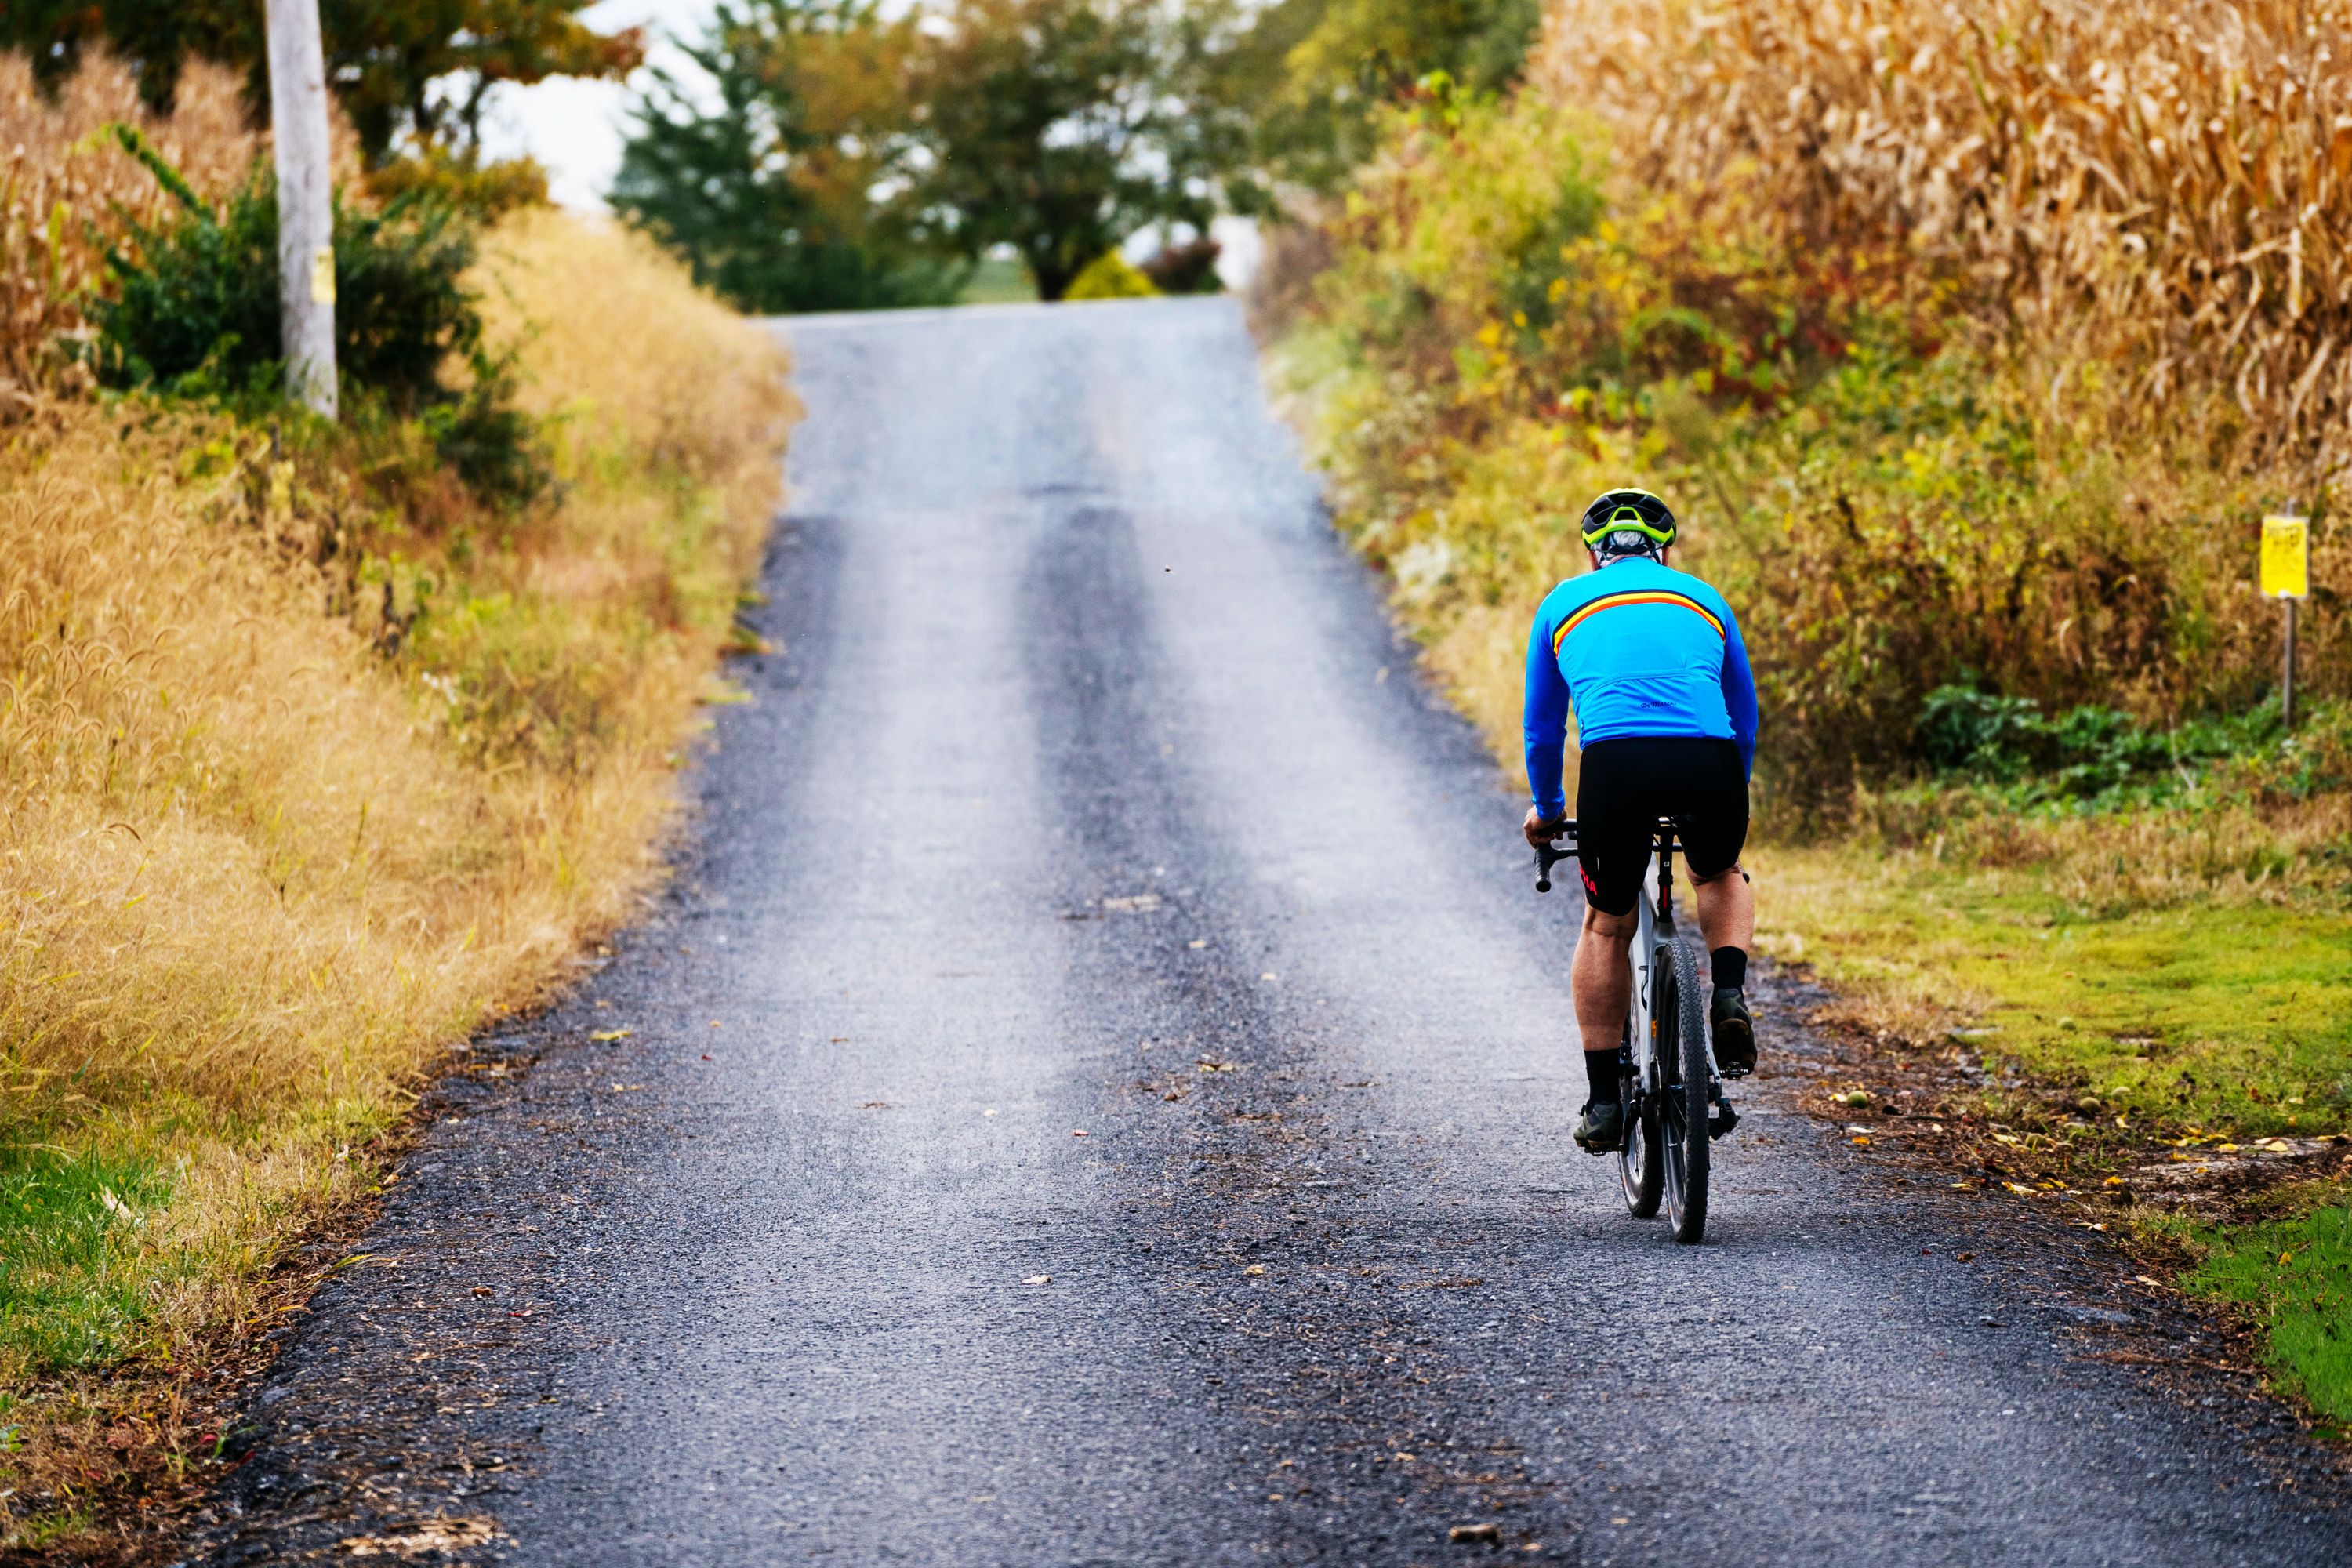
(1061, 127)
(385, 57)
(1318, 68)
(779, 195)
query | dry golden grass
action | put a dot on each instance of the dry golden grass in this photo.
(260, 868)
(2167, 185)
(238, 866)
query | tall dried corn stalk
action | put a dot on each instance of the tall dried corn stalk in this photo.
(2165, 186)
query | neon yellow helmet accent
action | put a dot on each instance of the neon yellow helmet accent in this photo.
(1627, 511)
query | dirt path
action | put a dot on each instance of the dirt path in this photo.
(1099, 1094)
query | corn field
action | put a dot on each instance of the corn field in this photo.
(64, 184)
(2166, 189)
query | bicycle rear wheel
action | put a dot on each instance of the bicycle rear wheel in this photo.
(1683, 1108)
(1640, 1172)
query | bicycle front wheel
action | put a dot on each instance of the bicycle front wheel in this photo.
(1683, 1109)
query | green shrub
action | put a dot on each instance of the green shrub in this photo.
(1110, 276)
(195, 312)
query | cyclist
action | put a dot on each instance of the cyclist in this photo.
(1665, 713)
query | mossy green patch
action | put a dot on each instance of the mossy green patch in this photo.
(2233, 1017)
(2295, 1275)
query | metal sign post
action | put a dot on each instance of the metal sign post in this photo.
(2286, 577)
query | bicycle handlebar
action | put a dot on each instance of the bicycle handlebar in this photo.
(1547, 857)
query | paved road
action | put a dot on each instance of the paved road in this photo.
(1098, 1095)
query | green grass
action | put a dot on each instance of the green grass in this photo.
(2295, 1276)
(999, 280)
(69, 1227)
(2231, 1016)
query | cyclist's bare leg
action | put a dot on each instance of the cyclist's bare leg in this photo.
(1601, 978)
(1726, 911)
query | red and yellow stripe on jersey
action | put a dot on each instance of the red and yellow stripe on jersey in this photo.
(1633, 596)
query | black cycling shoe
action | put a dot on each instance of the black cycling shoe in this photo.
(1734, 1028)
(1601, 1127)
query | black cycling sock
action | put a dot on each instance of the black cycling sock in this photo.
(1601, 1072)
(1730, 967)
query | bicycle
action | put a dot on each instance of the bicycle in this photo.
(1666, 1079)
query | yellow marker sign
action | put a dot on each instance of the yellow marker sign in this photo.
(2286, 557)
(322, 275)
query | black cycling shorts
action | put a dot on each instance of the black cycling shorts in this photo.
(1622, 787)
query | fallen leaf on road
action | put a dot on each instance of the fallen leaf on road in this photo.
(1211, 1064)
(1078, 1131)
(1038, 1279)
(1255, 1268)
(1132, 904)
(1476, 1534)
(606, 1035)
(1964, 1257)
(2144, 1279)
(432, 1536)
(1200, 943)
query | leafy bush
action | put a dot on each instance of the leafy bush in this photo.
(195, 313)
(484, 191)
(1110, 276)
(1190, 267)
(2086, 752)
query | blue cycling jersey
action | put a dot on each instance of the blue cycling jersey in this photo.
(1640, 649)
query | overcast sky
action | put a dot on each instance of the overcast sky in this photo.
(574, 127)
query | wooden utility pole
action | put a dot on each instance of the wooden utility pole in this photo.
(306, 251)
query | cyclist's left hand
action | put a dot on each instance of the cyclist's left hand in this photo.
(1539, 831)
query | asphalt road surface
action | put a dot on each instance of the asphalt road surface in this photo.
(1098, 1093)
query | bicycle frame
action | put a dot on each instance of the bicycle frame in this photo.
(1673, 1097)
(1655, 908)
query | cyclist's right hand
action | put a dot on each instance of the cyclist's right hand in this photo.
(1541, 832)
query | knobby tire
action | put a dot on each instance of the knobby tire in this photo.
(1685, 1112)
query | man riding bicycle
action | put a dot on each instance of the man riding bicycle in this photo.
(1665, 716)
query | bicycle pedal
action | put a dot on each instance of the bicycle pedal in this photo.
(1723, 1119)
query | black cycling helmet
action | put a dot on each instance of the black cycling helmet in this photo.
(1627, 522)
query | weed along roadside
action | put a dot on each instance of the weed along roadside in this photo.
(1989, 507)
(321, 746)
